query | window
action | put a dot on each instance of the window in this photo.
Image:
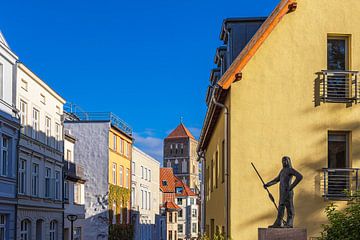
(114, 173)
(42, 99)
(212, 175)
(170, 217)
(47, 182)
(25, 227)
(57, 185)
(182, 148)
(216, 169)
(170, 235)
(68, 155)
(53, 230)
(114, 213)
(179, 190)
(58, 110)
(192, 201)
(149, 200)
(146, 173)
(114, 142)
(35, 180)
(23, 115)
(142, 199)
(5, 149)
(24, 84)
(48, 129)
(121, 175)
(149, 175)
(142, 172)
(176, 168)
(164, 182)
(2, 226)
(337, 60)
(180, 213)
(146, 200)
(127, 178)
(22, 176)
(121, 214)
(1, 80)
(133, 196)
(193, 213)
(35, 125)
(180, 228)
(77, 233)
(57, 135)
(223, 161)
(78, 192)
(126, 150)
(133, 168)
(66, 190)
(171, 147)
(194, 227)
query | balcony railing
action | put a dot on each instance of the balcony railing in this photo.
(339, 86)
(338, 182)
(74, 171)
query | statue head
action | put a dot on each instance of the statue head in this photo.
(286, 162)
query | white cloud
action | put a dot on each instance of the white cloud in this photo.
(149, 144)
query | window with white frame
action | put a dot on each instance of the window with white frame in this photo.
(5, 155)
(121, 146)
(57, 135)
(114, 173)
(133, 168)
(42, 98)
(24, 84)
(25, 227)
(127, 178)
(78, 193)
(35, 180)
(35, 126)
(57, 185)
(133, 196)
(142, 172)
(47, 182)
(194, 212)
(126, 150)
(180, 228)
(68, 155)
(22, 176)
(23, 115)
(53, 230)
(194, 227)
(149, 175)
(146, 200)
(142, 199)
(66, 190)
(121, 175)
(149, 201)
(48, 129)
(114, 142)
(146, 173)
(2, 226)
(121, 213)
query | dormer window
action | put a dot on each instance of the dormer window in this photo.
(179, 189)
(164, 183)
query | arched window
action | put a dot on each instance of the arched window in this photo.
(25, 227)
(53, 230)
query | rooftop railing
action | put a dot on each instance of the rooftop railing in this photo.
(337, 183)
(339, 86)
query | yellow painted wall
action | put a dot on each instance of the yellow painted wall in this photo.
(273, 114)
(118, 157)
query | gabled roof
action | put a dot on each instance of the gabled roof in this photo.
(186, 190)
(171, 205)
(180, 132)
(167, 176)
(284, 7)
(3, 40)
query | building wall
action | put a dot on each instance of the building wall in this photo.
(273, 114)
(121, 157)
(146, 210)
(91, 150)
(42, 146)
(9, 127)
(187, 220)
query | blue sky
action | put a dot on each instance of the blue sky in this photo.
(148, 61)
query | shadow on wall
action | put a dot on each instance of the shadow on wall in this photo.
(145, 230)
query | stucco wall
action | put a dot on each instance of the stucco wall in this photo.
(91, 150)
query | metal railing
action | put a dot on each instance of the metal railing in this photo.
(74, 170)
(339, 86)
(337, 183)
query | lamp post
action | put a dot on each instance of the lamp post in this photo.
(72, 218)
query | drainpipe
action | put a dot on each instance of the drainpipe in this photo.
(226, 165)
(201, 159)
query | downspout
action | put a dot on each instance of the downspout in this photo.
(226, 165)
(201, 159)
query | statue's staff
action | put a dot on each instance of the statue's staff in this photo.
(269, 193)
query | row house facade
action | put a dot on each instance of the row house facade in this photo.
(74, 190)
(145, 193)
(9, 136)
(40, 160)
(291, 91)
(103, 146)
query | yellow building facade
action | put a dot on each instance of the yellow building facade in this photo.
(281, 103)
(120, 147)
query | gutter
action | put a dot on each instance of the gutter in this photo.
(226, 165)
(201, 159)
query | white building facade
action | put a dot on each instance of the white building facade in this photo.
(74, 190)
(9, 128)
(145, 193)
(40, 162)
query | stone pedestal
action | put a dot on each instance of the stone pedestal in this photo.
(282, 234)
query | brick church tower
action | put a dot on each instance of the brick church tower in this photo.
(180, 154)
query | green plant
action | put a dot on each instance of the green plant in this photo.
(121, 231)
(118, 194)
(343, 224)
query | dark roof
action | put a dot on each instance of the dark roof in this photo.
(227, 21)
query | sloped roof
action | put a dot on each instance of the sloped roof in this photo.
(186, 190)
(3, 40)
(166, 174)
(171, 205)
(180, 132)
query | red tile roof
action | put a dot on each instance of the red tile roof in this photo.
(167, 175)
(186, 190)
(180, 132)
(171, 205)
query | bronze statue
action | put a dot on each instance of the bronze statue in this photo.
(286, 193)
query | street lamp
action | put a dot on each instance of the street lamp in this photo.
(72, 218)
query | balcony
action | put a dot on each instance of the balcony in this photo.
(339, 86)
(337, 182)
(74, 171)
